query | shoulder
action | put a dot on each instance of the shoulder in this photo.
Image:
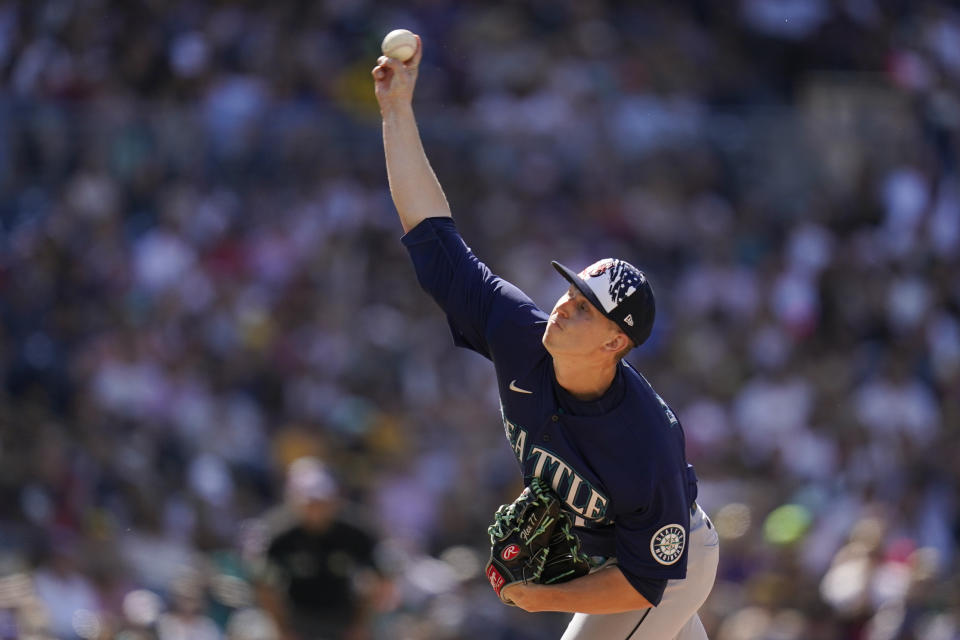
(642, 397)
(283, 538)
(656, 428)
(263, 532)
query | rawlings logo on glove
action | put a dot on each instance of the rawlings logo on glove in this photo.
(532, 540)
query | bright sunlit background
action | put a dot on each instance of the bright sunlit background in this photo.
(201, 280)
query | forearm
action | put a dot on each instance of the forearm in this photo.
(604, 591)
(414, 187)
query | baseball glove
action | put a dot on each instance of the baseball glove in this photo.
(532, 540)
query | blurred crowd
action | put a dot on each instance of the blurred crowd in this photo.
(201, 281)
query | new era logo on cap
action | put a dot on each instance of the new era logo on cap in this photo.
(620, 291)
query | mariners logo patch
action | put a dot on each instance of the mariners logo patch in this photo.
(667, 544)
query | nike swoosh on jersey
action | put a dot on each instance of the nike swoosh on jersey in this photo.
(514, 387)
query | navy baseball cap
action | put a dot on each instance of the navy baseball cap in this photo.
(620, 291)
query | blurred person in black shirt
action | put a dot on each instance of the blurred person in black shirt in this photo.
(321, 579)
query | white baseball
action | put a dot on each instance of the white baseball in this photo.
(399, 44)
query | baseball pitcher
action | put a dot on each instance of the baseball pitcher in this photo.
(597, 447)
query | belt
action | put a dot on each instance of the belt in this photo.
(693, 512)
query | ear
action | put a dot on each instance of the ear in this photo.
(617, 343)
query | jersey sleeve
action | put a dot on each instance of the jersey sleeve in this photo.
(475, 300)
(653, 543)
(650, 588)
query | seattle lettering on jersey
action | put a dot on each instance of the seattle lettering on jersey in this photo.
(576, 492)
(516, 436)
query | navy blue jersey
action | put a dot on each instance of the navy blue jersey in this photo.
(617, 463)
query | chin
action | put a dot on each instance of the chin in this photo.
(546, 339)
(545, 342)
(550, 344)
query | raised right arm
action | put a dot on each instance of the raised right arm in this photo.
(474, 299)
(414, 187)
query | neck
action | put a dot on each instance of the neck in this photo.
(584, 380)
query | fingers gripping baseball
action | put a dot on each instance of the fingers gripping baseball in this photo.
(394, 81)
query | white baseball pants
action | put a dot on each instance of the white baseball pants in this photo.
(675, 618)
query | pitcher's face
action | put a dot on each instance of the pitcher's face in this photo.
(577, 327)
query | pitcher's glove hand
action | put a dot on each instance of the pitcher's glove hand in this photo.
(532, 540)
